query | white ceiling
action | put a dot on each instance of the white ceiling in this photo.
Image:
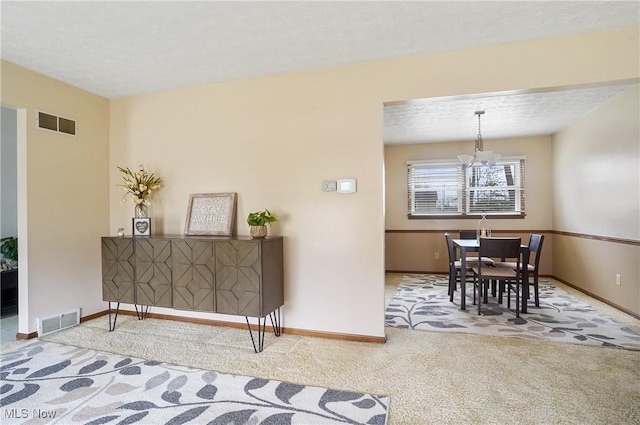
(125, 48)
(507, 115)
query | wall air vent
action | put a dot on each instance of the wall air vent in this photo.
(47, 325)
(50, 122)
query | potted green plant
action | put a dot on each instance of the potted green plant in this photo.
(9, 250)
(258, 221)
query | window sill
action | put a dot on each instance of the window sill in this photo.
(517, 216)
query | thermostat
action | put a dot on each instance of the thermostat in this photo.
(346, 185)
(329, 186)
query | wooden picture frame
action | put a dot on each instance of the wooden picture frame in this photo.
(211, 214)
(141, 226)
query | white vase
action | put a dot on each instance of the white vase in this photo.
(141, 211)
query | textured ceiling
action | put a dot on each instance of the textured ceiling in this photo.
(506, 115)
(124, 48)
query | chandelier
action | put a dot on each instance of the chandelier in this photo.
(480, 155)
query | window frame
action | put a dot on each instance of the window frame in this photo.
(464, 190)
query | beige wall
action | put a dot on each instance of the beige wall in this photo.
(62, 196)
(597, 171)
(597, 193)
(272, 140)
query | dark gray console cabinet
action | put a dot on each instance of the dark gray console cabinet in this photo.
(228, 275)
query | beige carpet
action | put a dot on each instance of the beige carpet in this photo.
(432, 378)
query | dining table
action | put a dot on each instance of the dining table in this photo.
(473, 245)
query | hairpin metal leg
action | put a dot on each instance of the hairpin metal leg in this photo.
(144, 312)
(112, 326)
(275, 322)
(262, 324)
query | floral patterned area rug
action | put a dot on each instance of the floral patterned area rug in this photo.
(46, 382)
(421, 303)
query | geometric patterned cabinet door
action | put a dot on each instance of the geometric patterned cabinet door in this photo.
(193, 274)
(238, 274)
(249, 279)
(118, 270)
(153, 272)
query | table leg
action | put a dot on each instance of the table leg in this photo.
(525, 281)
(463, 278)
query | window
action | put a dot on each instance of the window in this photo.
(439, 189)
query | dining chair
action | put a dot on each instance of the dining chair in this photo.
(533, 267)
(455, 267)
(468, 234)
(472, 234)
(507, 248)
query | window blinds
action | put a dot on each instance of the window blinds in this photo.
(437, 188)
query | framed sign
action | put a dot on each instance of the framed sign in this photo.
(212, 214)
(141, 226)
